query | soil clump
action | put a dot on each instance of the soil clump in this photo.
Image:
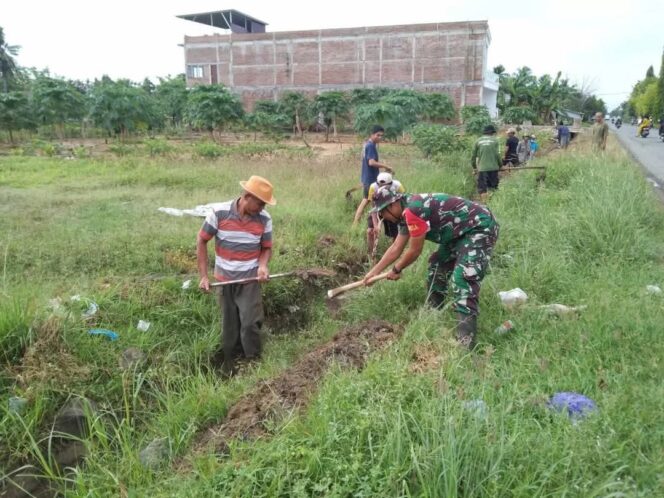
(248, 418)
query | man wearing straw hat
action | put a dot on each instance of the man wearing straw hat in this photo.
(242, 230)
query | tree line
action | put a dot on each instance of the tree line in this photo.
(37, 100)
(646, 98)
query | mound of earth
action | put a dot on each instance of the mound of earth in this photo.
(294, 387)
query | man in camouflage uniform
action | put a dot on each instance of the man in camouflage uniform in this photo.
(465, 232)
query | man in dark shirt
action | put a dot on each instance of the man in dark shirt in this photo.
(563, 135)
(511, 145)
(370, 167)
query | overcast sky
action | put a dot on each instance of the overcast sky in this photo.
(606, 45)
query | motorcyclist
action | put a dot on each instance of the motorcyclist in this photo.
(645, 123)
(618, 122)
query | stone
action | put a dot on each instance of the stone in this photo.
(155, 453)
(131, 358)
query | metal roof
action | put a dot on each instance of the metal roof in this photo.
(224, 19)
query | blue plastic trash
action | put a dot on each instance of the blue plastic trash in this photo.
(577, 405)
(105, 332)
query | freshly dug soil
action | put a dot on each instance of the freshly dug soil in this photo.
(294, 387)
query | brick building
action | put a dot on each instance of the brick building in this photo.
(259, 65)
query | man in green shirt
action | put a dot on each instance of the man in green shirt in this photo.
(486, 158)
(600, 133)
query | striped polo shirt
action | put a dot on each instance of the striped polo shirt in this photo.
(238, 241)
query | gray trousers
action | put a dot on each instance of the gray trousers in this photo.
(241, 320)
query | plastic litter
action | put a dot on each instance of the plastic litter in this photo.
(113, 336)
(200, 211)
(171, 211)
(562, 310)
(56, 306)
(477, 407)
(512, 298)
(17, 404)
(91, 311)
(143, 326)
(186, 284)
(75, 298)
(653, 182)
(653, 289)
(505, 327)
(577, 405)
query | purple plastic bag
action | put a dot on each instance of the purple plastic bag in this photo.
(577, 405)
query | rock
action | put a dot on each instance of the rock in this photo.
(155, 453)
(131, 358)
(17, 405)
(71, 419)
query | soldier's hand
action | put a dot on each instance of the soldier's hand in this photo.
(393, 275)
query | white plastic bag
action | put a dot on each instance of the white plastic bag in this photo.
(512, 298)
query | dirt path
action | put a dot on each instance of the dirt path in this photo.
(274, 398)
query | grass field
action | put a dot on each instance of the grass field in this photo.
(591, 233)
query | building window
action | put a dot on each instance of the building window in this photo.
(195, 71)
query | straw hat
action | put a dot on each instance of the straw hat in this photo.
(261, 188)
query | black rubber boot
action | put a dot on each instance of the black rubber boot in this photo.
(436, 299)
(466, 330)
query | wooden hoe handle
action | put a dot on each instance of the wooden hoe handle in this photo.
(360, 283)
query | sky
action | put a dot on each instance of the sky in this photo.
(604, 46)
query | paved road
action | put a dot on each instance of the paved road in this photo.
(648, 151)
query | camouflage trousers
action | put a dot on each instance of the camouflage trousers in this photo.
(463, 264)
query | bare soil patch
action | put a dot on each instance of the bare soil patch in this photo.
(271, 399)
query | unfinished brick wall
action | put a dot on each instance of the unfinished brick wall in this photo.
(437, 57)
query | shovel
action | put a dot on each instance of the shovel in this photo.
(303, 274)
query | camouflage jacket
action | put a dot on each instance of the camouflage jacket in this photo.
(443, 218)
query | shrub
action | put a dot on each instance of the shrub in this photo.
(518, 115)
(157, 147)
(208, 149)
(120, 149)
(475, 118)
(436, 139)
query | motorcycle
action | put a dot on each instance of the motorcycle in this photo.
(645, 131)
(618, 124)
(661, 133)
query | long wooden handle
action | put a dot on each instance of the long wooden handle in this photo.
(250, 279)
(340, 290)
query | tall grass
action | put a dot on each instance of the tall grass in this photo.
(408, 424)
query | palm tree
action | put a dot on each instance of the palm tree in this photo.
(7, 63)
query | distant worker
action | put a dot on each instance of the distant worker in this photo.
(370, 167)
(384, 180)
(465, 232)
(523, 149)
(486, 162)
(242, 230)
(511, 144)
(563, 135)
(534, 146)
(600, 133)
